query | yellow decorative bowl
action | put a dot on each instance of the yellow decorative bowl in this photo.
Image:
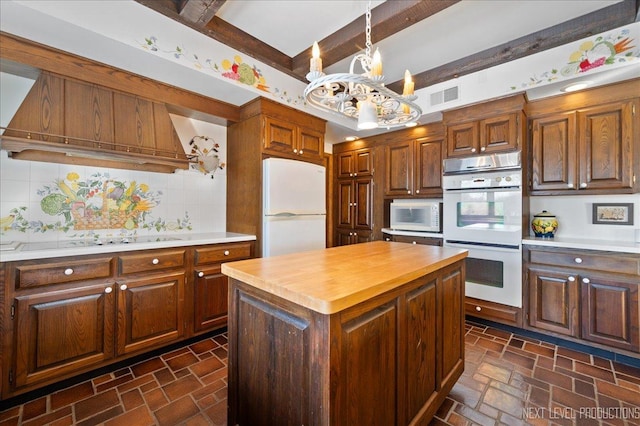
(544, 224)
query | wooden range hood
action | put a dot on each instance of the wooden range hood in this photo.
(63, 120)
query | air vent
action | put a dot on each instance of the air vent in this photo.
(446, 95)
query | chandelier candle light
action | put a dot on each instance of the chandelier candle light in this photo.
(362, 97)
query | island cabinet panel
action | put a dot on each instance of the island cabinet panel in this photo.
(61, 332)
(389, 359)
(367, 358)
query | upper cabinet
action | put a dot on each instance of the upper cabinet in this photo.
(68, 121)
(585, 144)
(414, 165)
(355, 163)
(495, 126)
(286, 138)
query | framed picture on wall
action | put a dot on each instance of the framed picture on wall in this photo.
(612, 213)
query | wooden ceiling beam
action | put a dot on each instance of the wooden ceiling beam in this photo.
(199, 12)
(387, 19)
(602, 20)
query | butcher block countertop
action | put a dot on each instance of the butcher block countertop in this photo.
(331, 280)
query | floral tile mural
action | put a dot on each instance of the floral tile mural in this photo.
(610, 49)
(99, 202)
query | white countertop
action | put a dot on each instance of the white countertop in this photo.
(28, 251)
(411, 233)
(585, 244)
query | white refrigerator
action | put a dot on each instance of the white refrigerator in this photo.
(294, 203)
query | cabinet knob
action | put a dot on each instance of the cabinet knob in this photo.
(387, 239)
(295, 151)
(578, 260)
(583, 185)
(483, 149)
(571, 278)
(351, 174)
(417, 191)
(123, 287)
(355, 174)
(68, 271)
(586, 280)
(569, 185)
(478, 308)
(226, 252)
(200, 274)
(108, 290)
(155, 261)
(301, 152)
(409, 192)
(413, 242)
(473, 150)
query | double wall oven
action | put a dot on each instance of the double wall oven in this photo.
(482, 199)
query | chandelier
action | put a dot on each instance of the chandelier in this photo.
(362, 97)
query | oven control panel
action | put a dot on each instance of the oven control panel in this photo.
(499, 179)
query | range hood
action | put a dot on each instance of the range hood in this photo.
(62, 120)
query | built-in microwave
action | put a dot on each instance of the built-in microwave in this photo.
(416, 215)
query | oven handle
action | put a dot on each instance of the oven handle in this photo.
(485, 189)
(495, 245)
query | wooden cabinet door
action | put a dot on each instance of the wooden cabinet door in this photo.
(606, 146)
(499, 134)
(399, 167)
(345, 203)
(310, 143)
(553, 301)
(463, 139)
(554, 151)
(210, 299)
(610, 311)
(363, 160)
(150, 311)
(419, 368)
(62, 332)
(344, 237)
(361, 236)
(363, 203)
(428, 167)
(346, 164)
(279, 136)
(367, 360)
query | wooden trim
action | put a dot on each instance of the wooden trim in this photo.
(46, 58)
(497, 312)
(624, 90)
(427, 130)
(484, 109)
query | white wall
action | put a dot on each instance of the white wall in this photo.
(574, 216)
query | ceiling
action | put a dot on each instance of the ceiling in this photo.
(437, 40)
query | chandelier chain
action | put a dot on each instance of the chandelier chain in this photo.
(368, 31)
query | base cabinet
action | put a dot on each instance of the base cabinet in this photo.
(585, 295)
(390, 360)
(69, 315)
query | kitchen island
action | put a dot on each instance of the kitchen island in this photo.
(369, 333)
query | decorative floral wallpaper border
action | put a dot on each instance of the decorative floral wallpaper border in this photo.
(235, 69)
(598, 52)
(97, 203)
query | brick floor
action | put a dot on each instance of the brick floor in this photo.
(508, 380)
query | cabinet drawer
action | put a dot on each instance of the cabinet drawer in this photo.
(151, 261)
(618, 262)
(430, 241)
(63, 271)
(222, 253)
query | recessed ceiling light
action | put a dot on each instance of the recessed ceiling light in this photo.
(350, 138)
(577, 86)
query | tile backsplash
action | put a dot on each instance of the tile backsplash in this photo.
(49, 201)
